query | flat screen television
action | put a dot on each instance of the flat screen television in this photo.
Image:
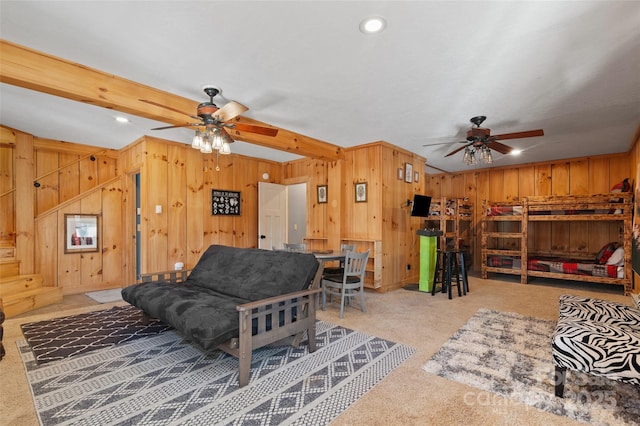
(420, 206)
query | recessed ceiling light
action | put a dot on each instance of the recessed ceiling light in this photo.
(372, 25)
(122, 119)
(516, 152)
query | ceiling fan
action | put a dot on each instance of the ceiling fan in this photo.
(481, 140)
(215, 120)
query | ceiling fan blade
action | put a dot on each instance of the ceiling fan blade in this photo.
(458, 149)
(516, 135)
(169, 108)
(267, 131)
(441, 143)
(230, 111)
(500, 147)
(175, 127)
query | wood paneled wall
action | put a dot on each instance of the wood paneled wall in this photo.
(180, 180)
(580, 176)
(384, 217)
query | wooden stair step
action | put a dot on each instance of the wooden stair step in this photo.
(31, 299)
(9, 268)
(7, 252)
(18, 284)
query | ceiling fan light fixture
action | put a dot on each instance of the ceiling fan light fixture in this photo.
(225, 149)
(206, 145)
(466, 159)
(473, 160)
(216, 140)
(197, 140)
(516, 152)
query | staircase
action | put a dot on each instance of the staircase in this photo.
(21, 293)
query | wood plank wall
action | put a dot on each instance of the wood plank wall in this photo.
(384, 217)
(592, 175)
(180, 180)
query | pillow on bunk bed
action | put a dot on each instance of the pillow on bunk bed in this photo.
(617, 257)
(623, 186)
(605, 252)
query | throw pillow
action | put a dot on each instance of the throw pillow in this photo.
(617, 257)
(623, 186)
(605, 252)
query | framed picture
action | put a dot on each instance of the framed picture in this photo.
(225, 203)
(408, 172)
(322, 194)
(81, 233)
(361, 192)
(416, 176)
(400, 173)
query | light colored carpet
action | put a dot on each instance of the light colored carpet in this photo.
(106, 296)
(163, 380)
(408, 395)
(509, 354)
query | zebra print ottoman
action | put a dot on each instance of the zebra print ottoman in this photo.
(598, 337)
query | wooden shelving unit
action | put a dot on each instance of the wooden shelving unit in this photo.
(454, 217)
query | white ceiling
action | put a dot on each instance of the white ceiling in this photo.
(571, 68)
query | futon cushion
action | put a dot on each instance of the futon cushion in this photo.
(202, 316)
(252, 274)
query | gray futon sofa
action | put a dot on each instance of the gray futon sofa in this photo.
(235, 299)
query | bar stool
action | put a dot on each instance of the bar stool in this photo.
(450, 263)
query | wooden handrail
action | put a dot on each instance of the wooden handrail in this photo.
(69, 164)
(7, 192)
(77, 197)
(56, 170)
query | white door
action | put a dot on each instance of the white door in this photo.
(272, 215)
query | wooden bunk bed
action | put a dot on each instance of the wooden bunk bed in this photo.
(506, 237)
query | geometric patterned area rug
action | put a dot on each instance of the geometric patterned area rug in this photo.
(61, 338)
(163, 380)
(510, 355)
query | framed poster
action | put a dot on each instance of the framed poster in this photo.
(361, 192)
(400, 173)
(81, 233)
(225, 203)
(408, 172)
(416, 176)
(322, 194)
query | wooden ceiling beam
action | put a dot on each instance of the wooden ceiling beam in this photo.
(30, 69)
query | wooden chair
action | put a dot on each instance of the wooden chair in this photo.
(301, 247)
(350, 284)
(339, 270)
